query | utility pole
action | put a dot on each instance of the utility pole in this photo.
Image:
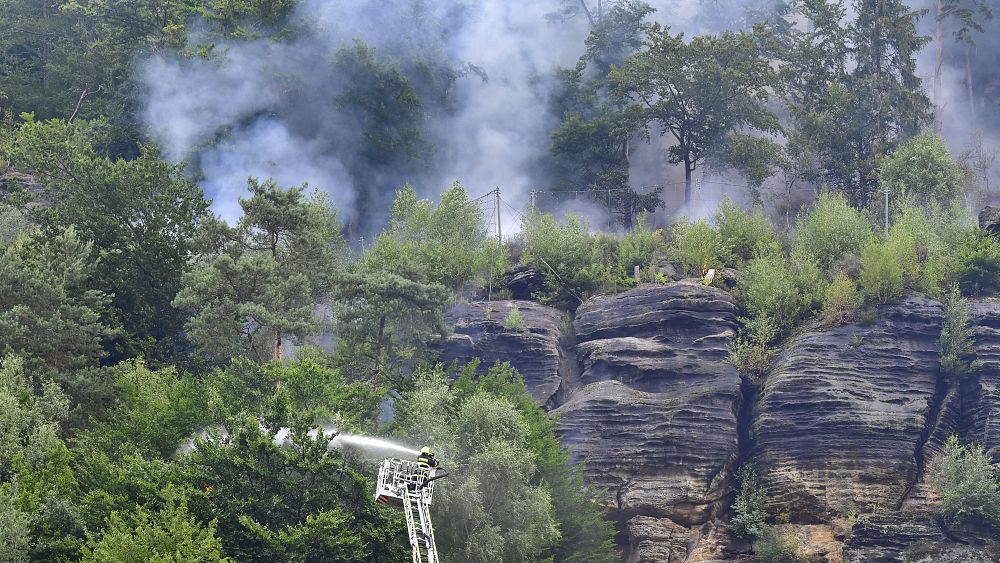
(496, 193)
(887, 211)
(532, 193)
(611, 215)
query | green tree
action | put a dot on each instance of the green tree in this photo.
(957, 345)
(830, 230)
(977, 266)
(749, 507)
(271, 502)
(697, 246)
(967, 483)
(565, 255)
(48, 313)
(509, 486)
(853, 90)
(261, 279)
(743, 235)
(171, 534)
(140, 214)
(781, 290)
(592, 143)
(922, 169)
(699, 91)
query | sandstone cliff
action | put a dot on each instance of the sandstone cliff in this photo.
(842, 430)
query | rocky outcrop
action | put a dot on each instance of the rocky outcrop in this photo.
(891, 538)
(491, 332)
(981, 394)
(653, 407)
(989, 220)
(843, 414)
(842, 431)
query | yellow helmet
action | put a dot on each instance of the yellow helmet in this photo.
(425, 450)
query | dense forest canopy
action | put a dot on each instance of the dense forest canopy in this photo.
(223, 219)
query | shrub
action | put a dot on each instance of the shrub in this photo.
(514, 320)
(750, 506)
(637, 247)
(696, 246)
(922, 168)
(977, 266)
(564, 255)
(889, 268)
(938, 232)
(751, 352)
(831, 229)
(784, 291)
(956, 346)
(743, 235)
(777, 546)
(967, 483)
(842, 301)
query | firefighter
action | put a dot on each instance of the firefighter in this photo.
(426, 459)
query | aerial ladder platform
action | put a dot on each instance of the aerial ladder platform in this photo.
(410, 487)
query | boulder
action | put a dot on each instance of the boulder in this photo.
(657, 540)
(844, 414)
(653, 407)
(523, 282)
(989, 220)
(482, 330)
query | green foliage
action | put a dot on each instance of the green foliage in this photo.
(590, 148)
(564, 254)
(262, 496)
(751, 352)
(967, 483)
(514, 320)
(842, 301)
(831, 67)
(956, 347)
(447, 243)
(977, 267)
(139, 214)
(510, 496)
(697, 246)
(888, 268)
(699, 90)
(15, 529)
(923, 169)
(49, 312)
(743, 235)
(750, 506)
(782, 290)
(153, 411)
(637, 247)
(938, 233)
(299, 392)
(777, 545)
(830, 230)
(171, 534)
(29, 423)
(260, 280)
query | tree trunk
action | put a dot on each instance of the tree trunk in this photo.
(938, 51)
(688, 169)
(279, 348)
(968, 82)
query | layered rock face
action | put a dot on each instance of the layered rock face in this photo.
(981, 396)
(847, 423)
(653, 408)
(485, 331)
(844, 412)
